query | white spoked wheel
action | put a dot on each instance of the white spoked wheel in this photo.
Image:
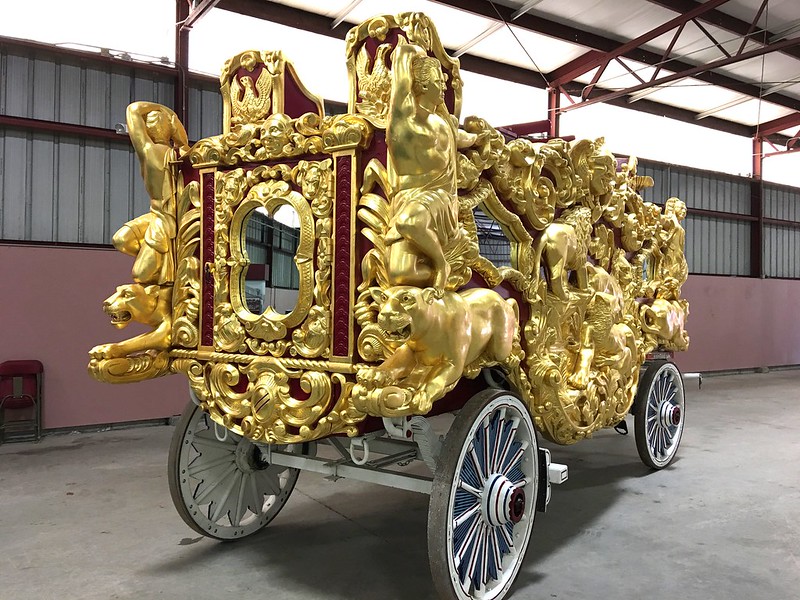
(659, 414)
(221, 483)
(483, 500)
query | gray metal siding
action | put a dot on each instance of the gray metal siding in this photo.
(64, 90)
(717, 246)
(782, 248)
(205, 112)
(66, 189)
(698, 189)
(781, 202)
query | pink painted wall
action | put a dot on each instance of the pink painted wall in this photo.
(50, 310)
(741, 323)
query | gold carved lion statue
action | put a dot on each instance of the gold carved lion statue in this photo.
(437, 339)
(563, 246)
(147, 304)
(666, 321)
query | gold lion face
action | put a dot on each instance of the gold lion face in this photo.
(129, 302)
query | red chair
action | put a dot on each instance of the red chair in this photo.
(21, 400)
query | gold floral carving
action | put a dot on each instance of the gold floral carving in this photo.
(266, 409)
(370, 76)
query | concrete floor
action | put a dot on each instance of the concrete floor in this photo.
(88, 516)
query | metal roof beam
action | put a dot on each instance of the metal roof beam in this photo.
(779, 124)
(794, 42)
(719, 19)
(197, 12)
(590, 60)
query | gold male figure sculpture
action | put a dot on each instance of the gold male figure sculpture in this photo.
(421, 137)
(159, 139)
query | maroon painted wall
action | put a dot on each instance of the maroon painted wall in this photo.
(741, 323)
(50, 310)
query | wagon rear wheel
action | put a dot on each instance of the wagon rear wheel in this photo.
(221, 483)
(484, 497)
(659, 414)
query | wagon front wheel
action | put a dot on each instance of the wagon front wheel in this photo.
(221, 483)
(659, 414)
(484, 498)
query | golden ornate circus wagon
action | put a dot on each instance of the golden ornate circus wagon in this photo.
(398, 316)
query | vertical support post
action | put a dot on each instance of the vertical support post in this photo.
(182, 8)
(757, 210)
(758, 156)
(553, 111)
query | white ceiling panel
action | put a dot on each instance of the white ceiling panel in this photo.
(777, 68)
(527, 49)
(753, 112)
(780, 12)
(694, 95)
(455, 27)
(619, 19)
(329, 8)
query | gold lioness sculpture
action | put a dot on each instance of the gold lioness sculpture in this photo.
(438, 339)
(665, 320)
(563, 247)
(151, 305)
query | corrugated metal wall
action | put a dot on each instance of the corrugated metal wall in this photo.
(781, 242)
(66, 90)
(714, 245)
(61, 188)
(205, 111)
(67, 188)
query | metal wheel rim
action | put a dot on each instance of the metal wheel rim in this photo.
(226, 485)
(472, 572)
(666, 390)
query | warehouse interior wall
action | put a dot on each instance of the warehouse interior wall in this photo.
(740, 323)
(51, 310)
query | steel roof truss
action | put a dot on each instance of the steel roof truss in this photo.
(725, 21)
(573, 68)
(753, 26)
(601, 45)
(794, 42)
(714, 41)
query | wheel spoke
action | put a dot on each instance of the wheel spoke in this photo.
(464, 551)
(195, 469)
(207, 486)
(270, 479)
(512, 462)
(222, 506)
(505, 536)
(477, 553)
(506, 441)
(496, 554)
(468, 488)
(213, 444)
(496, 434)
(256, 499)
(478, 466)
(485, 556)
(466, 516)
(241, 502)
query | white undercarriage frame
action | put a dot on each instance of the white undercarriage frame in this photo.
(365, 458)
